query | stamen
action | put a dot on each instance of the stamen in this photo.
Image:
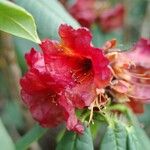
(83, 72)
(85, 77)
(97, 103)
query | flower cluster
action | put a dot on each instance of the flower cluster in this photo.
(102, 13)
(71, 74)
(131, 73)
(64, 77)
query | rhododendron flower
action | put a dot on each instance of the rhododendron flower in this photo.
(88, 12)
(112, 18)
(63, 77)
(140, 73)
(84, 12)
(132, 72)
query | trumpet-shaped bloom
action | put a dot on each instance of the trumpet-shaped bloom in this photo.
(64, 77)
(132, 72)
(88, 12)
(140, 74)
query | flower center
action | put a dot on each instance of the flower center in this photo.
(83, 71)
(87, 65)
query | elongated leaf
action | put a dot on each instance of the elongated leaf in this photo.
(22, 46)
(95, 128)
(17, 21)
(73, 141)
(48, 15)
(142, 137)
(11, 111)
(114, 138)
(5, 141)
(136, 137)
(133, 142)
(33, 135)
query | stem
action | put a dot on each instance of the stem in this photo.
(119, 107)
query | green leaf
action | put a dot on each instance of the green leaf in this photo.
(134, 130)
(21, 47)
(73, 141)
(33, 135)
(137, 139)
(48, 16)
(133, 122)
(99, 37)
(6, 142)
(133, 142)
(11, 111)
(142, 137)
(94, 128)
(17, 21)
(114, 138)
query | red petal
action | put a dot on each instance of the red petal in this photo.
(141, 53)
(77, 40)
(50, 47)
(70, 116)
(40, 93)
(120, 86)
(57, 64)
(139, 76)
(43, 109)
(35, 59)
(83, 11)
(79, 43)
(137, 107)
(81, 95)
(103, 78)
(140, 92)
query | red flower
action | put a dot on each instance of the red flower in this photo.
(64, 77)
(140, 54)
(88, 12)
(140, 74)
(112, 18)
(133, 68)
(40, 91)
(84, 12)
